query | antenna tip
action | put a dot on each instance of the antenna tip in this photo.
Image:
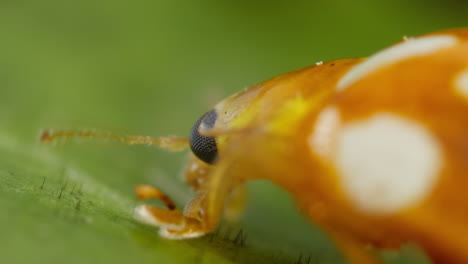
(45, 136)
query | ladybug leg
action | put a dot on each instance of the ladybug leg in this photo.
(235, 203)
(161, 217)
(200, 216)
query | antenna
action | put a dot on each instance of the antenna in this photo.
(172, 143)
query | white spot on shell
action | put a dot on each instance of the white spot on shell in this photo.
(324, 132)
(387, 163)
(409, 48)
(461, 83)
(319, 63)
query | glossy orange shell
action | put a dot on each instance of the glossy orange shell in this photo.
(276, 119)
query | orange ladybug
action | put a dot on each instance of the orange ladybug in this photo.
(373, 150)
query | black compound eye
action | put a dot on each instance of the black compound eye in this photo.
(204, 147)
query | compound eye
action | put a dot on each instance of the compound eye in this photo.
(202, 146)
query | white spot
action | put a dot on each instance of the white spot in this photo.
(461, 83)
(409, 48)
(319, 63)
(325, 131)
(387, 163)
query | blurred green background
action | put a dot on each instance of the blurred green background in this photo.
(153, 67)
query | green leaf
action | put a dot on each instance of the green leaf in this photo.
(60, 212)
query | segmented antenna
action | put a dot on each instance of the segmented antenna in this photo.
(171, 143)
